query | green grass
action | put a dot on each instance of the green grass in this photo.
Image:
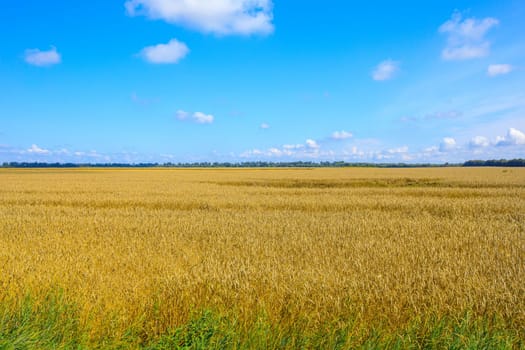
(53, 323)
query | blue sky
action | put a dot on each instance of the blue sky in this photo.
(243, 80)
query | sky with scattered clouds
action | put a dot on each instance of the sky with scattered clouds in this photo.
(247, 80)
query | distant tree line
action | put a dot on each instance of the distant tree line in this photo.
(260, 164)
(299, 164)
(76, 165)
(495, 162)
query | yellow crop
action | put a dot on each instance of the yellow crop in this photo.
(309, 246)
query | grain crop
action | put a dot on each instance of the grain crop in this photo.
(309, 251)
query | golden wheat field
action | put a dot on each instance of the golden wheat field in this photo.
(307, 247)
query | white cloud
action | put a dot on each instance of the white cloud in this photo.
(275, 152)
(203, 118)
(37, 150)
(385, 70)
(310, 149)
(450, 150)
(498, 69)
(448, 144)
(198, 117)
(355, 151)
(172, 52)
(292, 147)
(93, 154)
(182, 115)
(514, 137)
(312, 144)
(479, 141)
(265, 126)
(256, 152)
(465, 52)
(479, 147)
(40, 58)
(224, 17)
(431, 149)
(341, 135)
(466, 38)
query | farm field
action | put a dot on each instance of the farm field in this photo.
(262, 258)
